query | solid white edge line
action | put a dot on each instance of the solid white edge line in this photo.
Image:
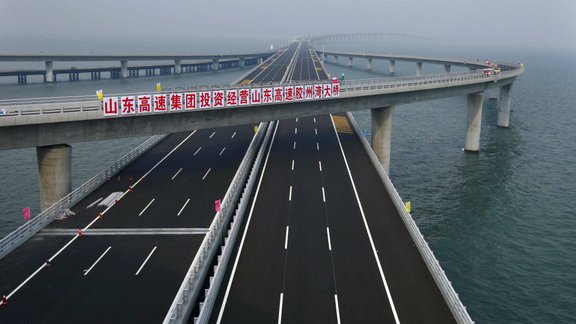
(388, 294)
(337, 308)
(292, 165)
(222, 151)
(329, 241)
(205, 175)
(280, 308)
(142, 266)
(286, 239)
(320, 165)
(143, 210)
(181, 209)
(198, 150)
(233, 135)
(221, 313)
(290, 194)
(98, 260)
(176, 174)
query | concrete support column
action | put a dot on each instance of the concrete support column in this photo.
(215, 63)
(504, 105)
(392, 66)
(475, 101)
(418, 68)
(335, 59)
(242, 62)
(382, 134)
(54, 167)
(49, 71)
(349, 61)
(447, 68)
(124, 68)
(177, 66)
(369, 64)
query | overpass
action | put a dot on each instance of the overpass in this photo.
(368, 89)
(181, 64)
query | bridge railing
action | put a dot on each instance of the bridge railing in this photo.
(348, 88)
(28, 229)
(450, 296)
(193, 281)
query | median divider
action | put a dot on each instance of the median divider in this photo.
(30, 228)
(456, 307)
(233, 204)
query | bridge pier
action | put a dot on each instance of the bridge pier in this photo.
(124, 68)
(215, 64)
(350, 61)
(504, 104)
(382, 134)
(335, 59)
(369, 64)
(447, 68)
(22, 79)
(177, 66)
(475, 102)
(54, 168)
(242, 63)
(418, 68)
(392, 67)
(49, 72)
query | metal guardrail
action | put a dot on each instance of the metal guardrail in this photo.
(352, 88)
(230, 241)
(187, 295)
(28, 229)
(456, 307)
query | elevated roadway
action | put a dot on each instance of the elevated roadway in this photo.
(130, 257)
(323, 243)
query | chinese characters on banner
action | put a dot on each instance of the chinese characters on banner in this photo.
(172, 102)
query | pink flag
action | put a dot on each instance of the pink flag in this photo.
(26, 212)
(217, 204)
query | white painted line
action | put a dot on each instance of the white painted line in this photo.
(212, 135)
(317, 146)
(198, 150)
(320, 165)
(294, 145)
(143, 210)
(176, 174)
(94, 203)
(323, 195)
(315, 131)
(103, 254)
(233, 135)
(290, 195)
(314, 120)
(222, 151)
(221, 313)
(292, 165)
(149, 255)
(295, 130)
(388, 294)
(337, 308)
(296, 119)
(286, 239)
(280, 309)
(181, 209)
(329, 241)
(204, 177)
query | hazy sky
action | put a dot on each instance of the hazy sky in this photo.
(532, 23)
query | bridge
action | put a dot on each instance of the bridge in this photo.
(181, 64)
(322, 161)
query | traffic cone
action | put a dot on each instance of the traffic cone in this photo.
(4, 300)
(48, 263)
(80, 233)
(100, 215)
